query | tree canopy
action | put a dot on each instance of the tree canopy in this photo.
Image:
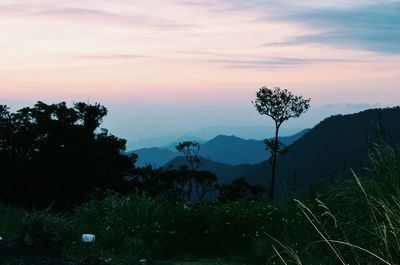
(52, 154)
(280, 105)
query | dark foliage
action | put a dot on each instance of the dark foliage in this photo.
(56, 155)
(239, 189)
(45, 232)
(172, 184)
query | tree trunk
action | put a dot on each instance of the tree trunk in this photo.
(189, 192)
(274, 158)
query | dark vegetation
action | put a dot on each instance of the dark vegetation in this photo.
(62, 176)
(56, 155)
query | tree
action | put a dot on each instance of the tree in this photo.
(204, 182)
(52, 154)
(239, 189)
(191, 151)
(281, 105)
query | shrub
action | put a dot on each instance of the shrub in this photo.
(126, 227)
(44, 231)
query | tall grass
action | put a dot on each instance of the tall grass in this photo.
(136, 226)
(358, 221)
(126, 228)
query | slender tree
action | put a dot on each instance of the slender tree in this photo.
(191, 151)
(280, 105)
(204, 181)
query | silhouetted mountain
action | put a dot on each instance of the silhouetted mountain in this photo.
(154, 156)
(226, 173)
(233, 150)
(252, 132)
(230, 150)
(165, 142)
(288, 140)
(206, 134)
(328, 151)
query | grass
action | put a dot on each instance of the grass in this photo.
(136, 226)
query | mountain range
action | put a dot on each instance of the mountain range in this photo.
(206, 134)
(324, 154)
(230, 150)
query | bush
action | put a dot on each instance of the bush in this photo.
(137, 226)
(126, 228)
(44, 231)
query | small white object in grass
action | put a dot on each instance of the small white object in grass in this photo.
(88, 238)
(1, 238)
(143, 261)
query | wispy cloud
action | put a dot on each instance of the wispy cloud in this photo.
(279, 62)
(369, 27)
(111, 56)
(74, 11)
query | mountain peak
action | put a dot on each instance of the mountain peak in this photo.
(222, 137)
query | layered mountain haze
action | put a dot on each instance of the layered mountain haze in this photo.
(154, 156)
(331, 149)
(233, 150)
(230, 150)
(225, 173)
(206, 134)
(323, 154)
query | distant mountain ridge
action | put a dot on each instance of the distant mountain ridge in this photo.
(226, 173)
(324, 154)
(206, 134)
(328, 151)
(233, 150)
(154, 156)
(230, 150)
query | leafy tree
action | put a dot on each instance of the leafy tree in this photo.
(202, 180)
(281, 105)
(190, 150)
(170, 183)
(239, 189)
(52, 154)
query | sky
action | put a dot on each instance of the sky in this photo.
(165, 66)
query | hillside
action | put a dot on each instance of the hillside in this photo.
(233, 150)
(206, 134)
(329, 150)
(224, 149)
(226, 173)
(154, 156)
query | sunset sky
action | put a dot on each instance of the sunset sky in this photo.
(164, 66)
